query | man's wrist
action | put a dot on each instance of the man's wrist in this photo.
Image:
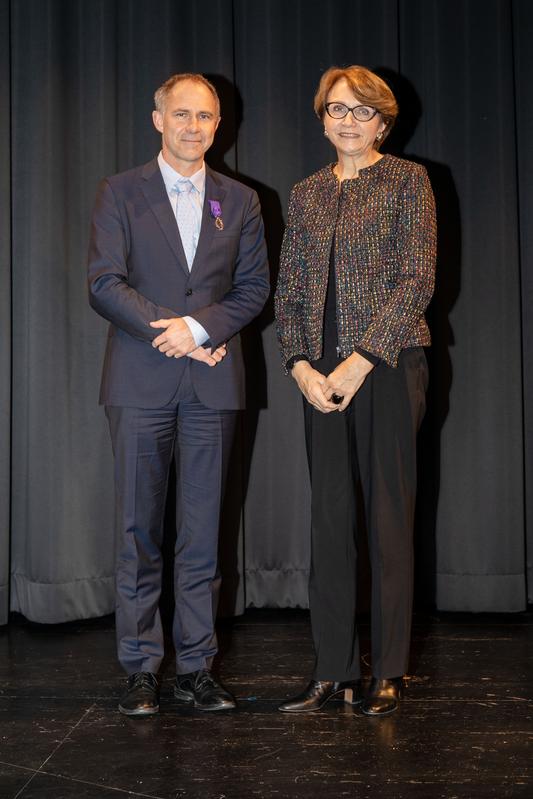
(198, 332)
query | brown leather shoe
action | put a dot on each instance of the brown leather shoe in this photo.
(141, 697)
(319, 692)
(383, 696)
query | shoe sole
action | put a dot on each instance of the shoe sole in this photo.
(381, 713)
(150, 712)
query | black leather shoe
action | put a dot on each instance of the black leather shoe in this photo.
(383, 696)
(142, 695)
(202, 690)
(318, 692)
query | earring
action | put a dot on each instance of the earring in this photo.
(325, 133)
(379, 136)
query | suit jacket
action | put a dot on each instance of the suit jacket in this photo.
(382, 229)
(138, 273)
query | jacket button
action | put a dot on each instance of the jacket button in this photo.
(188, 292)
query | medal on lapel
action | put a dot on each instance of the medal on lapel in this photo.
(216, 213)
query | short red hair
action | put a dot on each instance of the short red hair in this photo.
(368, 88)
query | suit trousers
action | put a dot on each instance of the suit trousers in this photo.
(145, 442)
(367, 454)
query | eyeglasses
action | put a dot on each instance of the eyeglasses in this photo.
(362, 113)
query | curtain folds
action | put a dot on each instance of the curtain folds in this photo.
(522, 19)
(76, 86)
(5, 311)
(464, 53)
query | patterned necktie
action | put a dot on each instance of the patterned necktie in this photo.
(188, 217)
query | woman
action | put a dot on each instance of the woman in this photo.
(356, 274)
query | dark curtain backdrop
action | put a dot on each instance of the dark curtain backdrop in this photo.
(76, 85)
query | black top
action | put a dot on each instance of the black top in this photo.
(330, 338)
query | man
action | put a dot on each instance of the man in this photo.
(177, 264)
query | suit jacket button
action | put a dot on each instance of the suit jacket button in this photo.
(188, 292)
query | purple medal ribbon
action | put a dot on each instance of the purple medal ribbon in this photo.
(216, 213)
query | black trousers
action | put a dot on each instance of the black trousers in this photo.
(372, 443)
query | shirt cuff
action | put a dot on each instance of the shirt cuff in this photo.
(199, 333)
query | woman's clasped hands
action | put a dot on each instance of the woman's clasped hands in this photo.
(344, 381)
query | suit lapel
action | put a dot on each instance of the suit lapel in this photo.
(213, 191)
(153, 188)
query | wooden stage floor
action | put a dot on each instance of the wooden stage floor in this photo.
(464, 730)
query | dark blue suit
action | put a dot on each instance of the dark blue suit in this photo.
(158, 407)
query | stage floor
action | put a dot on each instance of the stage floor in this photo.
(464, 730)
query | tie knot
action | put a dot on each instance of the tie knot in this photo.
(183, 186)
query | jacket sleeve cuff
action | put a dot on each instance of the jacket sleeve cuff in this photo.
(295, 358)
(373, 359)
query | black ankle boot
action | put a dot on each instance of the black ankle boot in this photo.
(383, 696)
(318, 692)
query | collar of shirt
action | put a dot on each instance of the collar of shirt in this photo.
(171, 177)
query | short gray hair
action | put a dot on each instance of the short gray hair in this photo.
(160, 96)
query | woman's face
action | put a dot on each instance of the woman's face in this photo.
(348, 136)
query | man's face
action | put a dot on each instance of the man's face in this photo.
(187, 124)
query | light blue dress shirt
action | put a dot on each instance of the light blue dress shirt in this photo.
(170, 178)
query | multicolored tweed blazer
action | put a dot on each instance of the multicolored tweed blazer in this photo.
(383, 223)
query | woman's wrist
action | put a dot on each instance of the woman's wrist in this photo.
(300, 367)
(294, 360)
(359, 362)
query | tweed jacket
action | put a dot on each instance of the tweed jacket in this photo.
(383, 230)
